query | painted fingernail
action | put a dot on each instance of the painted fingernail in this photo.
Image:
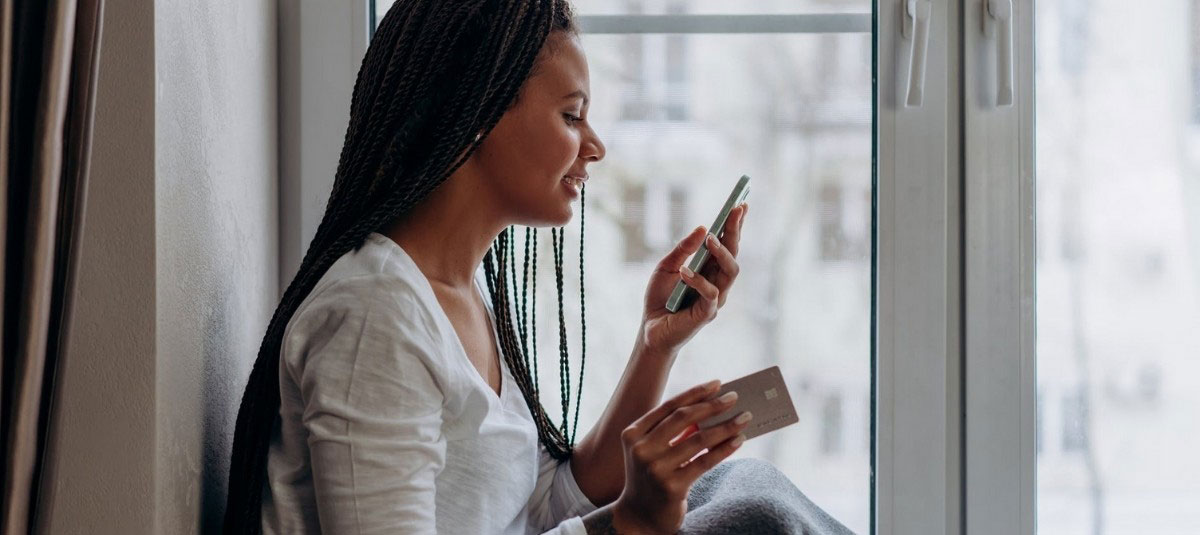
(743, 418)
(738, 440)
(728, 397)
(686, 272)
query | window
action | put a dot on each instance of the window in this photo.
(655, 70)
(1075, 422)
(831, 425)
(844, 232)
(782, 90)
(694, 111)
(651, 215)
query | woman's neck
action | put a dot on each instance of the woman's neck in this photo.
(448, 233)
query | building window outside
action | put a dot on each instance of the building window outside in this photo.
(831, 425)
(1074, 421)
(844, 232)
(656, 76)
(649, 210)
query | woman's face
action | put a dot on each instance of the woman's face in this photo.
(527, 160)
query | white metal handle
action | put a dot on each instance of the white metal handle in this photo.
(916, 29)
(999, 13)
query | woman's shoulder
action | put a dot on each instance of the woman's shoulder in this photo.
(366, 286)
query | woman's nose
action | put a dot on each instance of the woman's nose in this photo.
(592, 149)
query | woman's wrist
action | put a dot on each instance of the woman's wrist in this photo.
(643, 349)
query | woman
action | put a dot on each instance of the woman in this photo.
(361, 414)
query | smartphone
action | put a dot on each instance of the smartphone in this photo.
(683, 295)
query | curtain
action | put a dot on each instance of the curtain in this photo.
(48, 74)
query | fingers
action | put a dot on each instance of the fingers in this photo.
(688, 245)
(725, 261)
(680, 418)
(693, 470)
(706, 289)
(684, 450)
(732, 235)
(643, 425)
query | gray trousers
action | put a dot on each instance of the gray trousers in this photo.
(750, 496)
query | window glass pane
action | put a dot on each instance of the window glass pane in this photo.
(683, 116)
(1118, 289)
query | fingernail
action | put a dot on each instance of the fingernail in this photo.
(738, 440)
(728, 397)
(712, 240)
(712, 385)
(743, 418)
(686, 272)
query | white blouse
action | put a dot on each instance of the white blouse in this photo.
(387, 427)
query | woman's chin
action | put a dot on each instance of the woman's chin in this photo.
(559, 218)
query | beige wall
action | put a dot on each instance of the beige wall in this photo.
(178, 274)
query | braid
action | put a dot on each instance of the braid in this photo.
(533, 305)
(582, 312)
(435, 73)
(523, 320)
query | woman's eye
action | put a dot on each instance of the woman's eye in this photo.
(571, 118)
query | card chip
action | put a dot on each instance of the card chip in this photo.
(771, 394)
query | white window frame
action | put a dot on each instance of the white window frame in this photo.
(321, 45)
(954, 396)
(1000, 268)
(918, 290)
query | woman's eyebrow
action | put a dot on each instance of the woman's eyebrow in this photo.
(578, 93)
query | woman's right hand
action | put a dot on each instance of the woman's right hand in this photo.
(658, 473)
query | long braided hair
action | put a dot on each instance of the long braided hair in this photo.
(435, 74)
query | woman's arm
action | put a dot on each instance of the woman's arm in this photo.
(598, 462)
(372, 410)
(599, 458)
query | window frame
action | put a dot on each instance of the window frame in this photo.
(1000, 402)
(918, 348)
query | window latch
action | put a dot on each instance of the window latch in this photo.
(998, 20)
(915, 28)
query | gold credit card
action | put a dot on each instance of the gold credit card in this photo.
(765, 395)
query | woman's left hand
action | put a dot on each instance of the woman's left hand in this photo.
(664, 331)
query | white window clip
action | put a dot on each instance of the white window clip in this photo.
(1000, 13)
(915, 28)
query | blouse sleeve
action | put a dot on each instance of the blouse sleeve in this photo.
(373, 413)
(557, 501)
